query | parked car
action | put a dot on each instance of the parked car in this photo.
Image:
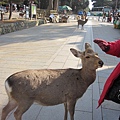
(80, 13)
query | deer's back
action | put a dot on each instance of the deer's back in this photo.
(82, 22)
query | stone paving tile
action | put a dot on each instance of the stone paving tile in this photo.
(83, 115)
(56, 65)
(101, 79)
(60, 59)
(71, 63)
(84, 103)
(110, 114)
(3, 101)
(95, 92)
(110, 105)
(52, 113)
(97, 113)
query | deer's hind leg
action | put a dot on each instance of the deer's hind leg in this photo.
(23, 106)
(12, 104)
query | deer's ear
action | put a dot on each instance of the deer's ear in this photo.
(76, 53)
(87, 45)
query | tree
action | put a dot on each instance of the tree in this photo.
(44, 4)
(53, 5)
(80, 5)
(10, 15)
(56, 4)
(16, 2)
(26, 2)
(10, 3)
(115, 4)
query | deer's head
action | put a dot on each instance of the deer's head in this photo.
(89, 58)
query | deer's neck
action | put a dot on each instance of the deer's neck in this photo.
(88, 76)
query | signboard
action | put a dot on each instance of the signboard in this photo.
(33, 9)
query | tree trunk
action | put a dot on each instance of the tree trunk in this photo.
(56, 4)
(1, 16)
(71, 3)
(10, 15)
(50, 6)
(62, 2)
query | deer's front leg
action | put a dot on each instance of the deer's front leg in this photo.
(71, 108)
(66, 111)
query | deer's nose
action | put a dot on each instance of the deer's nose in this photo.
(101, 63)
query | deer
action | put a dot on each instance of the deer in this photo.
(82, 22)
(50, 87)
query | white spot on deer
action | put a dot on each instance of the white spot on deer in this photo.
(8, 88)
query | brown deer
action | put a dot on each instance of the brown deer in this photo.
(51, 86)
(82, 22)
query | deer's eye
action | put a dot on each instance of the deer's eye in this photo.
(87, 56)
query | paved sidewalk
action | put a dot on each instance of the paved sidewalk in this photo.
(47, 46)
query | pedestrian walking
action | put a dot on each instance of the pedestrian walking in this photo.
(104, 17)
